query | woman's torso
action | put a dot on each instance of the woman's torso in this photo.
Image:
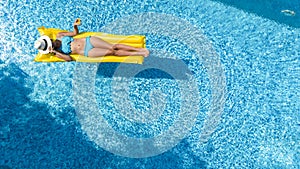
(77, 46)
(71, 45)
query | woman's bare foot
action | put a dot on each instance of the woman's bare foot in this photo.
(146, 52)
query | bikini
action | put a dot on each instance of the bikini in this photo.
(88, 46)
(66, 45)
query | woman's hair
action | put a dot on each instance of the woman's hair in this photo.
(56, 44)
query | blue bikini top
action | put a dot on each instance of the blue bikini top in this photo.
(66, 44)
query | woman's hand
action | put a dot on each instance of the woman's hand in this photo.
(51, 50)
(75, 31)
(77, 22)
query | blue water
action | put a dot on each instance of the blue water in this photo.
(270, 9)
(242, 67)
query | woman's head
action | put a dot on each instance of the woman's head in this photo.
(43, 44)
(56, 44)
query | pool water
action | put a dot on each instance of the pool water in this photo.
(270, 9)
(220, 89)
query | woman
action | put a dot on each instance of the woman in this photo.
(90, 46)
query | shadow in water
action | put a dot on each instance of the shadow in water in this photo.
(31, 138)
(270, 9)
(4, 167)
(152, 68)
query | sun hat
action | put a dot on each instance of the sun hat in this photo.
(43, 44)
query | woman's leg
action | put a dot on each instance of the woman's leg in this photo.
(129, 53)
(99, 43)
(104, 48)
(122, 48)
(126, 47)
(98, 52)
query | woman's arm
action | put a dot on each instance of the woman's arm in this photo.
(61, 55)
(75, 31)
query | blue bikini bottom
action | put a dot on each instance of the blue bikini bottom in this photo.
(88, 46)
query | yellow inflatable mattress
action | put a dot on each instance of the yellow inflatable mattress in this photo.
(132, 40)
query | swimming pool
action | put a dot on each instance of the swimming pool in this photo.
(230, 76)
(281, 11)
